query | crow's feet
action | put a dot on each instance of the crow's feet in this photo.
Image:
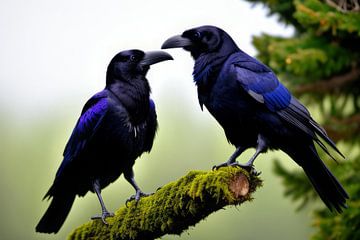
(103, 216)
(247, 167)
(225, 164)
(139, 194)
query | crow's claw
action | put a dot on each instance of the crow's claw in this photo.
(216, 167)
(247, 167)
(225, 164)
(139, 194)
(103, 217)
(250, 168)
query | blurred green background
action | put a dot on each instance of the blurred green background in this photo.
(53, 58)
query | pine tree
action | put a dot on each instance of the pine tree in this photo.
(321, 65)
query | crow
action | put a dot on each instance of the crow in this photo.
(116, 126)
(255, 109)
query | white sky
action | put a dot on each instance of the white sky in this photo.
(56, 52)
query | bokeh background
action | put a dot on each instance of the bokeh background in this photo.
(53, 57)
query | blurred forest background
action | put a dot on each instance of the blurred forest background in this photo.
(53, 58)
(321, 65)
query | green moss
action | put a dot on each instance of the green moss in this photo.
(172, 209)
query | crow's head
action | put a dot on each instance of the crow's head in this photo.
(129, 64)
(202, 40)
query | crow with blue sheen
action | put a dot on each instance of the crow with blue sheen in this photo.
(116, 126)
(255, 109)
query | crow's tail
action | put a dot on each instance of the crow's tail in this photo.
(326, 185)
(56, 214)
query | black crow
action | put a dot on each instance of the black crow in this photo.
(255, 109)
(116, 126)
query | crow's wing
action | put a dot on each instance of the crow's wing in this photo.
(262, 84)
(87, 125)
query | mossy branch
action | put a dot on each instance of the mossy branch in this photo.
(174, 207)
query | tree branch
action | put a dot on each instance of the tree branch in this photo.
(175, 207)
(345, 128)
(331, 84)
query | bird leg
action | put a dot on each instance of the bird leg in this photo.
(260, 148)
(129, 176)
(232, 160)
(105, 213)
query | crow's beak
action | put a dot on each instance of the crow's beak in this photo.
(176, 42)
(153, 57)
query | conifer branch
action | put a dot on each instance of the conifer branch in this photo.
(331, 84)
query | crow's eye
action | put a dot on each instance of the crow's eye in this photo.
(197, 35)
(132, 58)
